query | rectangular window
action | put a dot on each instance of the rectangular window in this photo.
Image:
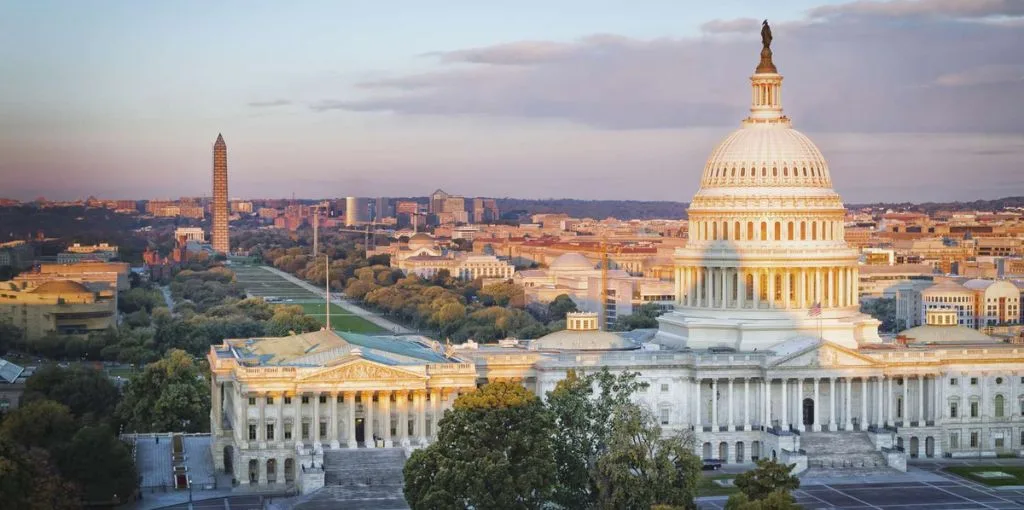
(323, 399)
(664, 416)
(305, 431)
(252, 432)
(952, 410)
(323, 429)
(974, 409)
(287, 400)
(999, 442)
(252, 401)
(974, 439)
(952, 381)
(270, 401)
(270, 432)
(287, 431)
(664, 388)
(954, 440)
(974, 381)
(341, 399)
(305, 399)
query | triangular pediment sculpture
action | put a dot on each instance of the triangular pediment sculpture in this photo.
(825, 355)
(361, 370)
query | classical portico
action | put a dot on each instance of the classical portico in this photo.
(282, 401)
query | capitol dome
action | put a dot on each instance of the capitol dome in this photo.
(766, 258)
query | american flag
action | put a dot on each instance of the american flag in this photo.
(815, 310)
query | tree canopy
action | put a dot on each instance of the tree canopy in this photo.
(493, 451)
(85, 391)
(766, 487)
(170, 395)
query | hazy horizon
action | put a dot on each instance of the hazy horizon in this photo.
(910, 101)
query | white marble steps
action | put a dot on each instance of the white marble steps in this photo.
(364, 467)
(850, 452)
(385, 497)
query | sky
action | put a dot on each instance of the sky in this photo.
(909, 100)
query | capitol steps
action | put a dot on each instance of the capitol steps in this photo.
(364, 466)
(842, 453)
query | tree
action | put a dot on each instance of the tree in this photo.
(42, 424)
(768, 477)
(504, 294)
(584, 408)
(493, 451)
(644, 317)
(100, 464)
(778, 500)
(85, 391)
(170, 395)
(288, 319)
(29, 481)
(641, 468)
(561, 305)
(9, 336)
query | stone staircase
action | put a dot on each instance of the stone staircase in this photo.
(841, 453)
(360, 478)
(364, 466)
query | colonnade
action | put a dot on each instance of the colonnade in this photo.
(734, 230)
(766, 288)
(797, 403)
(318, 418)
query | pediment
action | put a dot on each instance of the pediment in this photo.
(825, 355)
(361, 370)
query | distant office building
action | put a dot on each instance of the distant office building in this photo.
(407, 207)
(17, 254)
(241, 206)
(437, 199)
(383, 209)
(357, 211)
(485, 210)
(221, 241)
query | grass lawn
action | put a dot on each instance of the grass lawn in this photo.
(341, 320)
(971, 473)
(707, 486)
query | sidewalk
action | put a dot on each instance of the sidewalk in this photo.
(346, 305)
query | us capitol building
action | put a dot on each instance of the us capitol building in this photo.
(765, 355)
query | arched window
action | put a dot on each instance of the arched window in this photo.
(789, 228)
(814, 231)
(764, 171)
(714, 230)
(725, 230)
(743, 171)
(803, 230)
(778, 231)
(736, 231)
(764, 231)
(1000, 403)
(785, 171)
(805, 171)
(750, 231)
(775, 171)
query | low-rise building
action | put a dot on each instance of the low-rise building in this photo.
(58, 306)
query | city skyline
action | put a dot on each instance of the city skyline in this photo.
(594, 102)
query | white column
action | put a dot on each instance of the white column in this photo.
(435, 412)
(746, 403)
(800, 404)
(757, 288)
(695, 403)
(368, 431)
(880, 387)
(817, 403)
(785, 405)
(732, 401)
(350, 404)
(261, 427)
(332, 424)
(316, 420)
(385, 417)
(216, 407)
(941, 409)
(906, 401)
(864, 403)
(741, 288)
(830, 292)
(421, 420)
(723, 274)
(714, 405)
(771, 288)
(920, 399)
(833, 423)
(787, 288)
(297, 418)
(849, 399)
(817, 286)
(842, 287)
(402, 399)
(766, 404)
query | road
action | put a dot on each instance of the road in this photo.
(346, 305)
(166, 291)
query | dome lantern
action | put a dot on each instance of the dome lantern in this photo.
(766, 85)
